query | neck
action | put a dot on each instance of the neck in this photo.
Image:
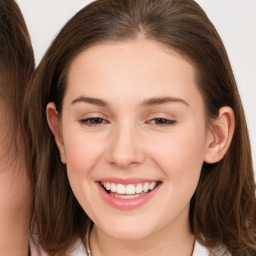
(172, 240)
(15, 205)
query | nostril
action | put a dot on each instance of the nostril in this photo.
(124, 152)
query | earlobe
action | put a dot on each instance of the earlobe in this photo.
(220, 135)
(53, 122)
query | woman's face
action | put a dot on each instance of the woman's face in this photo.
(133, 135)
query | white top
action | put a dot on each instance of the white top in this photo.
(79, 250)
(35, 251)
(199, 250)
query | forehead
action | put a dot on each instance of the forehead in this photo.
(139, 68)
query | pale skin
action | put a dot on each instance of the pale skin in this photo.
(133, 110)
(15, 194)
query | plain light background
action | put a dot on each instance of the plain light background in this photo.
(235, 21)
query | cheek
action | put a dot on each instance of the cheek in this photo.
(180, 156)
(82, 152)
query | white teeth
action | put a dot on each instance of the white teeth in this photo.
(107, 185)
(130, 189)
(113, 187)
(120, 189)
(139, 188)
(127, 196)
(152, 185)
(145, 187)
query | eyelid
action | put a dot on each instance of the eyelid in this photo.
(170, 119)
(84, 120)
(169, 122)
(93, 115)
(161, 115)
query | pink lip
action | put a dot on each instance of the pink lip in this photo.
(126, 204)
(126, 181)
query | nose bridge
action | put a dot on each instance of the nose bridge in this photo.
(124, 149)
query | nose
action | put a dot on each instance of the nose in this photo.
(125, 150)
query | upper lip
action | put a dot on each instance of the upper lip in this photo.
(126, 181)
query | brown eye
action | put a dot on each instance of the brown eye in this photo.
(162, 121)
(92, 121)
(95, 120)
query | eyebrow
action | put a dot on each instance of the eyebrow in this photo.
(93, 101)
(163, 100)
(145, 103)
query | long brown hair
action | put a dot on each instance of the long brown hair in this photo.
(16, 67)
(223, 208)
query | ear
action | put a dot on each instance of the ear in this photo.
(220, 135)
(53, 122)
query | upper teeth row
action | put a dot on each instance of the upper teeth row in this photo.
(130, 189)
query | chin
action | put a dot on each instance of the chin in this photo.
(128, 234)
(127, 230)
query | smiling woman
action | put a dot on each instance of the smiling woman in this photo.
(152, 155)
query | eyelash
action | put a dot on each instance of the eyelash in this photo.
(100, 121)
(165, 122)
(88, 121)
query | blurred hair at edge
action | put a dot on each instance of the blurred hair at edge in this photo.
(222, 210)
(16, 67)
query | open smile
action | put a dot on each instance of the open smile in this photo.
(128, 195)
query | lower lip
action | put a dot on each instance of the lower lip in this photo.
(126, 204)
